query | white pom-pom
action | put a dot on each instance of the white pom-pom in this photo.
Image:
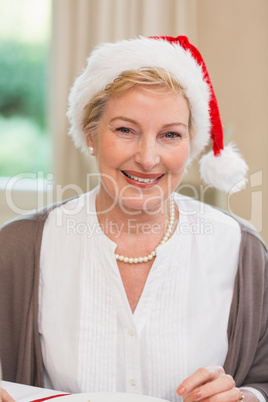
(226, 171)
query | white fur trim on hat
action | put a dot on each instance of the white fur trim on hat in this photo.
(108, 60)
(225, 171)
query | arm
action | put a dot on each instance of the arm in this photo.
(20, 348)
(247, 357)
(19, 271)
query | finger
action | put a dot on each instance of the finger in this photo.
(200, 377)
(221, 384)
(232, 395)
(5, 397)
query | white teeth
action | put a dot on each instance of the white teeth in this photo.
(139, 179)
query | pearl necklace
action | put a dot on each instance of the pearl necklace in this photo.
(165, 238)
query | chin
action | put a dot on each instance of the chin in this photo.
(142, 204)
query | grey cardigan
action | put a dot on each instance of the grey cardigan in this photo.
(20, 349)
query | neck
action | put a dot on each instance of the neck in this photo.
(117, 219)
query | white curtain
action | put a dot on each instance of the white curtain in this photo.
(78, 25)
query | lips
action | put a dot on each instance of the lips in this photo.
(141, 178)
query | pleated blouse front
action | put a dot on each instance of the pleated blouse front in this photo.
(91, 340)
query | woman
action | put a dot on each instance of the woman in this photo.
(140, 301)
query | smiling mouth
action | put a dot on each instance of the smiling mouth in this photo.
(140, 179)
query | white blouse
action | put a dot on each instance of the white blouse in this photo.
(91, 340)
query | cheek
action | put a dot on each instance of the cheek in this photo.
(179, 158)
(110, 156)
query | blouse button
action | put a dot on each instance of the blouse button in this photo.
(132, 331)
(133, 381)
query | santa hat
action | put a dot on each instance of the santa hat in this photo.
(222, 168)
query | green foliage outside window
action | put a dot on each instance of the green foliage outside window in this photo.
(23, 81)
(24, 63)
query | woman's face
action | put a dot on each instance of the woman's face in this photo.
(142, 145)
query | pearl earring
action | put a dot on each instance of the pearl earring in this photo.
(91, 150)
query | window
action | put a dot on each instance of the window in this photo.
(24, 63)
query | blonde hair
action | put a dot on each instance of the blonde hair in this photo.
(148, 78)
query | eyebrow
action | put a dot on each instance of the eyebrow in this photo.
(134, 122)
(177, 123)
(123, 118)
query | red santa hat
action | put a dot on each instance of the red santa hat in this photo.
(223, 167)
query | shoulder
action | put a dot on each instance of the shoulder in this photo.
(25, 231)
(220, 221)
(20, 242)
(20, 224)
(70, 218)
(206, 219)
(22, 229)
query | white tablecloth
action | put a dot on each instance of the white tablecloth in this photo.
(26, 393)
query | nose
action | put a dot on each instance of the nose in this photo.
(147, 154)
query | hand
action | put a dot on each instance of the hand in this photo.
(209, 384)
(5, 397)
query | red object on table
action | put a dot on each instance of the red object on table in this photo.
(49, 397)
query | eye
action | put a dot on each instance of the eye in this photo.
(123, 130)
(172, 135)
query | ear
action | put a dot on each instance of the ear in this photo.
(89, 141)
(90, 145)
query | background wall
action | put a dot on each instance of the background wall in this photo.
(233, 38)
